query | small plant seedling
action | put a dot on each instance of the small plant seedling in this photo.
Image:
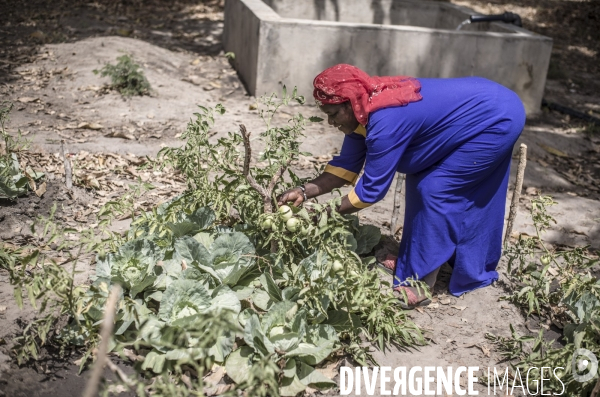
(126, 77)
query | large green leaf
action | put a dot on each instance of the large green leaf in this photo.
(367, 238)
(313, 378)
(133, 265)
(320, 340)
(192, 224)
(256, 338)
(276, 315)
(183, 298)
(154, 361)
(261, 299)
(238, 364)
(342, 321)
(232, 254)
(223, 298)
(291, 386)
(191, 251)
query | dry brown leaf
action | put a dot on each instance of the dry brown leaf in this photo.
(41, 190)
(445, 301)
(461, 308)
(485, 350)
(90, 126)
(27, 99)
(121, 134)
(215, 376)
(553, 151)
(38, 35)
(330, 370)
(124, 32)
(217, 390)
(132, 356)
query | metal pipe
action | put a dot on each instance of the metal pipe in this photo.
(507, 17)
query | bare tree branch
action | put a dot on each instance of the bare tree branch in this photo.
(517, 192)
(108, 323)
(246, 171)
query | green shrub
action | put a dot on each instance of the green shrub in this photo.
(126, 77)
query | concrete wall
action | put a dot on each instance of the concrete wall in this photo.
(242, 36)
(293, 51)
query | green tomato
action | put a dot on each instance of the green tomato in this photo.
(266, 224)
(285, 212)
(292, 224)
(353, 273)
(305, 230)
(337, 267)
(545, 259)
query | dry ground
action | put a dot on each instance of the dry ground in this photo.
(48, 51)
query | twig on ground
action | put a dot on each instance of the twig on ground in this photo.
(122, 375)
(107, 326)
(68, 170)
(517, 192)
(397, 204)
(596, 391)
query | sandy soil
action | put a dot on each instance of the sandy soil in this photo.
(48, 52)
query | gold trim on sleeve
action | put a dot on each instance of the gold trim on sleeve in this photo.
(361, 130)
(343, 173)
(355, 201)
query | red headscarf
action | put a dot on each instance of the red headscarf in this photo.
(341, 83)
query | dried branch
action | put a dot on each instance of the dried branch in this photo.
(517, 192)
(119, 372)
(108, 323)
(246, 171)
(68, 170)
(277, 176)
(397, 204)
(248, 149)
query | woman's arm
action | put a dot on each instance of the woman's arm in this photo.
(322, 184)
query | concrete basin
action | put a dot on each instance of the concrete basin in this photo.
(289, 42)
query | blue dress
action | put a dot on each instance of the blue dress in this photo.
(455, 147)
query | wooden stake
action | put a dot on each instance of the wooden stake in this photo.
(91, 389)
(517, 192)
(68, 170)
(394, 225)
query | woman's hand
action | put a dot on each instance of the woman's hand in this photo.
(294, 195)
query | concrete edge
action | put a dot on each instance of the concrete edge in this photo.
(261, 10)
(369, 26)
(266, 13)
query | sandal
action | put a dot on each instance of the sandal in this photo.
(388, 264)
(413, 300)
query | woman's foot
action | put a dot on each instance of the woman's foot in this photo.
(388, 264)
(410, 297)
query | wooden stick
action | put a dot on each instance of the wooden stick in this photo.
(91, 389)
(68, 170)
(517, 192)
(394, 226)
